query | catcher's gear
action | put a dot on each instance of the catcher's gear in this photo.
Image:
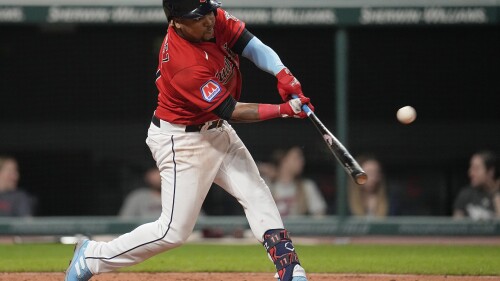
(189, 9)
(281, 251)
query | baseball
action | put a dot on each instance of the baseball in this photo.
(406, 114)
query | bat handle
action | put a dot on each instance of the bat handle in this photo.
(305, 108)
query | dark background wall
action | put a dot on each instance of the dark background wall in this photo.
(76, 101)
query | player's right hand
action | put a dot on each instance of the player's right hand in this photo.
(293, 108)
(288, 85)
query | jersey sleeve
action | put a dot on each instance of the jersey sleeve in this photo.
(230, 27)
(199, 87)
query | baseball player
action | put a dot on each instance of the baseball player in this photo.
(199, 84)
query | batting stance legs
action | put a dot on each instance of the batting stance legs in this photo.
(189, 164)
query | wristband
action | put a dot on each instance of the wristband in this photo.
(268, 111)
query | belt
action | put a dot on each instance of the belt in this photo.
(193, 128)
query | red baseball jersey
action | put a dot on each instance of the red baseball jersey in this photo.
(194, 78)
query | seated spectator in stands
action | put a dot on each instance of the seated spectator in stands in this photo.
(481, 199)
(267, 170)
(369, 199)
(144, 202)
(294, 195)
(13, 201)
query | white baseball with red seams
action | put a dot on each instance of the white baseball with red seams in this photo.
(406, 114)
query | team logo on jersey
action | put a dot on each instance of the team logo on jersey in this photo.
(210, 90)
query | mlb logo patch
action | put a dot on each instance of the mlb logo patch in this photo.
(210, 90)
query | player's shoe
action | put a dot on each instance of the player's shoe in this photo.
(78, 269)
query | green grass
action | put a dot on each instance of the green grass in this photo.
(396, 259)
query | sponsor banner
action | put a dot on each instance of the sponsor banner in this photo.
(435, 15)
(285, 16)
(474, 15)
(105, 15)
(12, 14)
(82, 14)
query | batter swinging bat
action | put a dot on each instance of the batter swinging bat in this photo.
(343, 156)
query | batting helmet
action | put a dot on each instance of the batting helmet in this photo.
(189, 9)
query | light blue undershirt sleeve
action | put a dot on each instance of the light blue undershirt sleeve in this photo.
(263, 56)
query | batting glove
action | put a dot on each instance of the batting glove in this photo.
(293, 108)
(288, 85)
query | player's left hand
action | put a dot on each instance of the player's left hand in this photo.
(288, 85)
(293, 108)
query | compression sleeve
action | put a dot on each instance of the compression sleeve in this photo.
(263, 56)
(226, 108)
(242, 41)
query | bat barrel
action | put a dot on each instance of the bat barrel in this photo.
(360, 177)
(339, 151)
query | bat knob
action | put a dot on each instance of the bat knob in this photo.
(361, 178)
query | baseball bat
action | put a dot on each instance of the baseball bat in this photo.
(342, 155)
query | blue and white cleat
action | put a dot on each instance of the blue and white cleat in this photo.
(299, 271)
(78, 269)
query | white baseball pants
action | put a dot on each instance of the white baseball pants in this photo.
(189, 163)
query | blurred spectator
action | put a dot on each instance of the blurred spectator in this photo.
(267, 171)
(13, 202)
(144, 202)
(481, 199)
(294, 195)
(369, 199)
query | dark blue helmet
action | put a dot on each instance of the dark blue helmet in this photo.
(189, 9)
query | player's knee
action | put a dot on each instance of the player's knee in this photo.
(172, 242)
(171, 237)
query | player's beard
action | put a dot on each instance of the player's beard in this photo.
(207, 36)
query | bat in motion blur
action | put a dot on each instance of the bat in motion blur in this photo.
(342, 155)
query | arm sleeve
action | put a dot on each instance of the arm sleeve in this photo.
(242, 41)
(226, 108)
(263, 56)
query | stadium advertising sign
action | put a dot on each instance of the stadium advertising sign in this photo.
(105, 15)
(424, 16)
(12, 14)
(259, 16)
